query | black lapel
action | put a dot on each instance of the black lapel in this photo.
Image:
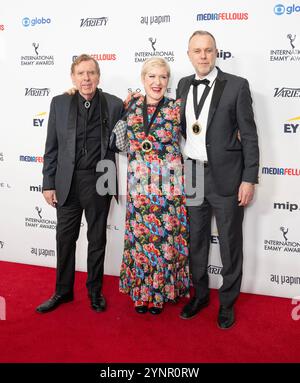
(183, 97)
(72, 123)
(218, 90)
(104, 124)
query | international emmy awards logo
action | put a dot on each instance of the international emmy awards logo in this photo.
(292, 39)
(39, 210)
(35, 46)
(284, 232)
(153, 42)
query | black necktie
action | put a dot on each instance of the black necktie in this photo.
(198, 107)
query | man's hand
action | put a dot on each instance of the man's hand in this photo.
(71, 91)
(246, 193)
(50, 197)
(131, 95)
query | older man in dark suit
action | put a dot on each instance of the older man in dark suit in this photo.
(78, 134)
(218, 124)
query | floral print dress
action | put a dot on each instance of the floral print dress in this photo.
(154, 267)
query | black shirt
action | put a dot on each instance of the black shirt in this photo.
(88, 133)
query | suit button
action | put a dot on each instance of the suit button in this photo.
(208, 145)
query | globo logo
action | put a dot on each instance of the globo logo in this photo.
(27, 22)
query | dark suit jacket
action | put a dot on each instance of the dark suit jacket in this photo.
(60, 150)
(231, 160)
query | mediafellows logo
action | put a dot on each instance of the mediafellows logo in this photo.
(1, 27)
(38, 159)
(100, 56)
(27, 22)
(223, 16)
(93, 22)
(292, 125)
(281, 9)
(149, 20)
(280, 171)
(285, 92)
(37, 92)
(1, 156)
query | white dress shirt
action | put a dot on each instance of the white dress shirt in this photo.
(195, 143)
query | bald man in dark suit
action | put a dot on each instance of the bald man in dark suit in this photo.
(218, 124)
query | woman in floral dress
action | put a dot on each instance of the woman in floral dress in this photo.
(154, 268)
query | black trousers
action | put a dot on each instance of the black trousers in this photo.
(82, 197)
(229, 219)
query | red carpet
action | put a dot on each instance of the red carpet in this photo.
(264, 332)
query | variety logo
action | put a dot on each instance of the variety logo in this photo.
(27, 22)
(286, 206)
(38, 222)
(291, 127)
(37, 59)
(280, 171)
(100, 56)
(149, 20)
(39, 119)
(287, 92)
(212, 269)
(43, 252)
(284, 55)
(283, 246)
(93, 22)
(281, 9)
(223, 16)
(37, 92)
(155, 51)
(39, 159)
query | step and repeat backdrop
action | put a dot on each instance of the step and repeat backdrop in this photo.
(257, 40)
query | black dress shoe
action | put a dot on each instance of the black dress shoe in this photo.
(194, 306)
(54, 302)
(155, 310)
(141, 309)
(226, 317)
(98, 302)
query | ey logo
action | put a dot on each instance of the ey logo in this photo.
(39, 119)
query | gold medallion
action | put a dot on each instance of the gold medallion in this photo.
(196, 127)
(147, 146)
